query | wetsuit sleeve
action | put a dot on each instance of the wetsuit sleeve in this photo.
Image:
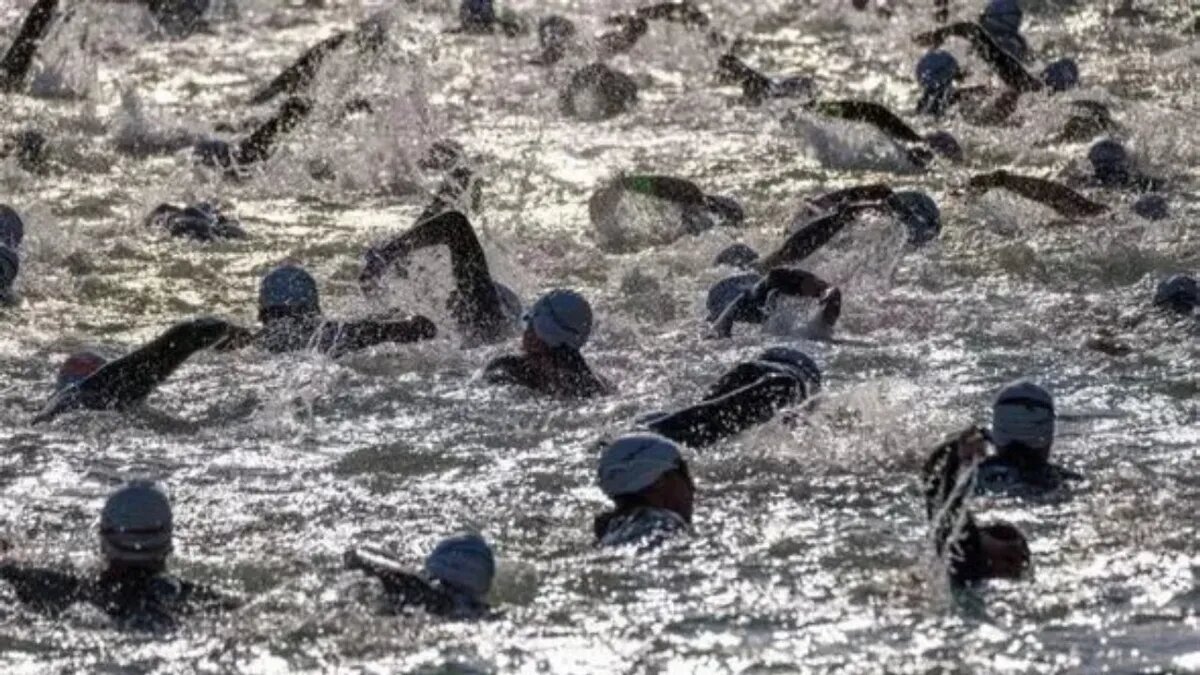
(956, 536)
(1005, 65)
(684, 13)
(785, 280)
(401, 587)
(810, 238)
(19, 57)
(755, 85)
(301, 73)
(838, 199)
(714, 419)
(510, 369)
(874, 114)
(259, 145)
(478, 302)
(1059, 197)
(238, 337)
(349, 336)
(668, 188)
(741, 375)
(44, 590)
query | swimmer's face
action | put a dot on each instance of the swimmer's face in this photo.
(675, 491)
(1006, 550)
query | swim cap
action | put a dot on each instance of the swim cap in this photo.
(736, 255)
(554, 31)
(1002, 16)
(797, 361)
(937, 69)
(1152, 207)
(135, 524)
(1179, 293)
(510, 302)
(634, 462)
(1061, 75)
(464, 562)
(1023, 413)
(289, 288)
(1110, 161)
(12, 228)
(728, 290)
(10, 267)
(477, 12)
(920, 214)
(945, 144)
(77, 368)
(561, 317)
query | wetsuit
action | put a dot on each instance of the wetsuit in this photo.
(1008, 67)
(566, 374)
(699, 212)
(960, 545)
(1016, 469)
(746, 396)
(757, 87)
(752, 304)
(127, 381)
(17, 61)
(202, 222)
(296, 78)
(1061, 198)
(143, 599)
(283, 333)
(644, 526)
(476, 302)
(259, 145)
(405, 591)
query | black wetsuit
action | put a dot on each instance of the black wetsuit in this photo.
(202, 222)
(945, 494)
(145, 599)
(406, 591)
(1008, 67)
(1061, 198)
(281, 334)
(1017, 469)
(475, 302)
(296, 78)
(17, 61)
(757, 87)
(751, 306)
(126, 382)
(260, 144)
(569, 375)
(746, 396)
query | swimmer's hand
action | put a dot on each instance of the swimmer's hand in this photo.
(236, 337)
(972, 445)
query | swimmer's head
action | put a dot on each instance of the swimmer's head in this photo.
(736, 255)
(10, 267)
(1110, 163)
(1152, 207)
(288, 291)
(12, 228)
(1061, 75)
(1005, 549)
(560, 318)
(77, 368)
(477, 13)
(464, 563)
(945, 144)
(1178, 293)
(1023, 419)
(1002, 16)
(647, 469)
(213, 152)
(936, 70)
(798, 362)
(554, 32)
(919, 214)
(136, 527)
(727, 290)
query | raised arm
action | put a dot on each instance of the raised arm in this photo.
(872, 113)
(349, 336)
(714, 419)
(1059, 197)
(19, 57)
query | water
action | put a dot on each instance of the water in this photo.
(810, 550)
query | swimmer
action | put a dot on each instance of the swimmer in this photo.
(699, 212)
(258, 146)
(90, 383)
(1112, 167)
(1023, 420)
(748, 395)
(289, 309)
(1178, 294)
(135, 586)
(555, 35)
(751, 298)
(15, 65)
(12, 234)
(479, 17)
(485, 309)
(756, 87)
(1001, 19)
(652, 492)
(597, 92)
(1090, 119)
(28, 148)
(971, 553)
(1061, 198)
(920, 149)
(202, 222)
(368, 37)
(557, 327)
(937, 71)
(458, 576)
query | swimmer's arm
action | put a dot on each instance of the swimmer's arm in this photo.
(19, 57)
(668, 188)
(810, 238)
(44, 590)
(510, 369)
(258, 146)
(846, 196)
(348, 336)
(301, 73)
(237, 337)
(676, 12)
(874, 114)
(742, 375)
(450, 229)
(710, 421)
(1059, 197)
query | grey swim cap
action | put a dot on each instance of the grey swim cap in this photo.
(464, 562)
(798, 362)
(634, 462)
(1023, 413)
(561, 317)
(136, 524)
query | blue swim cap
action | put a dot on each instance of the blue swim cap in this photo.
(561, 318)
(1024, 414)
(291, 289)
(725, 291)
(477, 12)
(136, 524)
(12, 228)
(736, 255)
(510, 302)
(10, 267)
(465, 563)
(1061, 75)
(945, 144)
(1002, 16)
(1110, 161)
(797, 361)
(936, 70)
(1179, 292)
(1152, 207)
(920, 214)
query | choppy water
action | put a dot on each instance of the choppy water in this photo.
(809, 552)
